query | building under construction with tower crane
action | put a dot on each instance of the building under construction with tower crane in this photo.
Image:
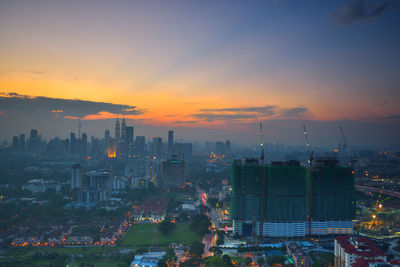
(286, 199)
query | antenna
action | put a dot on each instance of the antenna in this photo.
(310, 153)
(79, 129)
(261, 144)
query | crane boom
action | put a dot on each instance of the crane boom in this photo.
(261, 144)
(346, 148)
(308, 145)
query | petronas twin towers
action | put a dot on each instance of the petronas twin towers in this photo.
(120, 132)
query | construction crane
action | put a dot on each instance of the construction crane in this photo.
(261, 144)
(310, 153)
(263, 185)
(346, 148)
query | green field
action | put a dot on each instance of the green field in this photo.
(101, 262)
(142, 235)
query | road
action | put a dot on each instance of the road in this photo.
(378, 190)
(209, 240)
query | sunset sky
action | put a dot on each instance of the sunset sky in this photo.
(210, 70)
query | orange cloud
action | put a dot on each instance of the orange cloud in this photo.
(102, 115)
(72, 117)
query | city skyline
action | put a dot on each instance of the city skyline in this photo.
(210, 71)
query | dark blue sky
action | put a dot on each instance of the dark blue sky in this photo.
(205, 64)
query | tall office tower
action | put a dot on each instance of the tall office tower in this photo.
(154, 145)
(117, 130)
(15, 144)
(227, 148)
(330, 197)
(140, 144)
(96, 187)
(123, 130)
(76, 176)
(173, 173)
(84, 145)
(185, 150)
(106, 135)
(34, 134)
(219, 148)
(159, 146)
(72, 144)
(34, 144)
(129, 134)
(22, 145)
(170, 142)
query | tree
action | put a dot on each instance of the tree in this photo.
(247, 261)
(216, 250)
(142, 250)
(193, 262)
(227, 260)
(200, 224)
(196, 249)
(214, 261)
(166, 227)
(260, 261)
(275, 260)
(220, 239)
(170, 254)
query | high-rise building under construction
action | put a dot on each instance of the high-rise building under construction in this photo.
(285, 199)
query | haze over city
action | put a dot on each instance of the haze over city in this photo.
(209, 70)
(184, 133)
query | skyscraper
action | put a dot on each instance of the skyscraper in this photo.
(22, 142)
(76, 176)
(107, 135)
(34, 134)
(84, 145)
(170, 142)
(227, 148)
(159, 146)
(15, 143)
(140, 144)
(173, 173)
(117, 130)
(73, 144)
(34, 145)
(123, 130)
(129, 134)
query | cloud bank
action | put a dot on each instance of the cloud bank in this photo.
(12, 103)
(252, 113)
(360, 11)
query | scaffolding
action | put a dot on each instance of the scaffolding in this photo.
(286, 198)
(330, 191)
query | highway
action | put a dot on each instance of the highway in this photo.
(377, 190)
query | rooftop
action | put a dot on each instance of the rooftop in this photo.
(360, 246)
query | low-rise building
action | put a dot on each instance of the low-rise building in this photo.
(350, 249)
(41, 185)
(151, 210)
(299, 256)
(149, 259)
